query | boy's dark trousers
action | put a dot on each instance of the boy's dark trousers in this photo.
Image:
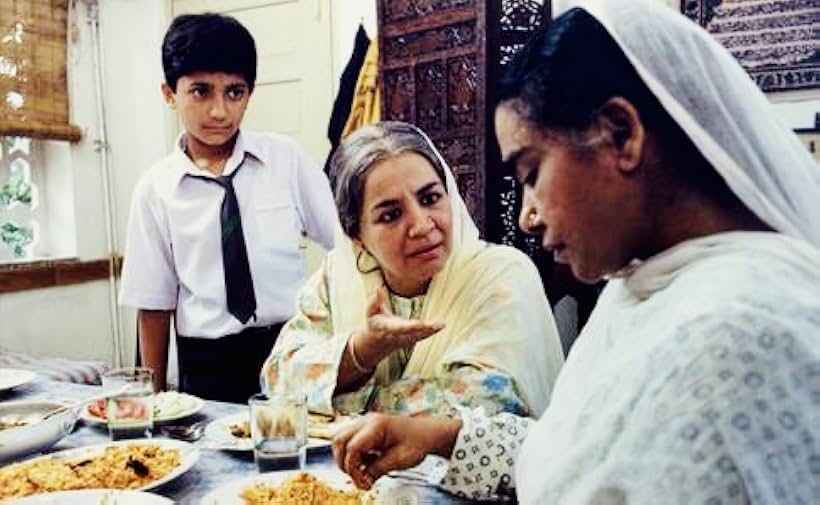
(225, 369)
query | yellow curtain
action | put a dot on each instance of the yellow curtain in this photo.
(366, 108)
(33, 83)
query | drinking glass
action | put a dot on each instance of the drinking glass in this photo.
(129, 402)
(278, 430)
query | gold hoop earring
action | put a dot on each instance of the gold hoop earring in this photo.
(533, 221)
(363, 269)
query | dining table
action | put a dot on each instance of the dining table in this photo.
(214, 467)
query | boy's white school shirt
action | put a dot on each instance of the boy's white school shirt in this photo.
(173, 254)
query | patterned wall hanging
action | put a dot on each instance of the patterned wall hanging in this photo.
(777, 42)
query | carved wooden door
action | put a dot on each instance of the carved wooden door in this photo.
(439, 62)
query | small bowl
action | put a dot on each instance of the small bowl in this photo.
(37, 434)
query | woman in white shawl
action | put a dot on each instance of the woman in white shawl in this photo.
(411, 313)
(648, 156)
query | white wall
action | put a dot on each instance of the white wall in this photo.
(75, 321)
(346, 15)
(797, 108)
(141, 128)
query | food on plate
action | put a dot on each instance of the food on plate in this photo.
(98, 408)
(173, 404)
(126, 409)
(12, 423)
(302, 489)
(319, 419)
(317, 423)
(326, 427)
(168, 404)
(241, 430)
(117, 467)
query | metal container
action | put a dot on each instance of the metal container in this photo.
(35, 434)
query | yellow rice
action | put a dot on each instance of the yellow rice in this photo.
(302, 489)
(108, 470)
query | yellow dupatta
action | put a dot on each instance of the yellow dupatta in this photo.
(489, 297)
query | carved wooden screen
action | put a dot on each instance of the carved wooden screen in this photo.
(432, 62)
(439, 62)
(510, 23)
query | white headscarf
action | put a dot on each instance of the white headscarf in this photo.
(606, 421)
(710, 96)
(491, 300)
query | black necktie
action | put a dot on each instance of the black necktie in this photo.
(238, 281)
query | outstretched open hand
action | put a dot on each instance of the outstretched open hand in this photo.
(387, 332)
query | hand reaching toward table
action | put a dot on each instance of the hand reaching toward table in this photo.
(380, 443)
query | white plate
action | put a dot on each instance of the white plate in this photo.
(172, 406)
(188, 456)
(229, 494)
(37, 434)
(218, 435)
(13, 377)
(92, 497)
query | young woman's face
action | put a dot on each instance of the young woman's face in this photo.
(211, 106)
(406, 221)
(587, 212)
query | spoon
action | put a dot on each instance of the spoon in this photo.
(190, 433)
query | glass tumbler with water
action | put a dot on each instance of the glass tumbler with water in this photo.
(129, 402)
(278, 430)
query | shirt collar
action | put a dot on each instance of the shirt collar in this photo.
(244, 146)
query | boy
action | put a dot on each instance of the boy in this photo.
(214, 228)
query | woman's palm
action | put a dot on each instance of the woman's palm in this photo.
(395, 332)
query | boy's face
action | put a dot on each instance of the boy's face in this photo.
(210, 104)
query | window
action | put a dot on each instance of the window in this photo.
(33, 83)
(18, 199)
(33, 226)
(34, 128)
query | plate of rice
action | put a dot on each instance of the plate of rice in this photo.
(140, 465)
(308, 487)
(92, 497)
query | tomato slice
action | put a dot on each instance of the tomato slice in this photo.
(97, 409)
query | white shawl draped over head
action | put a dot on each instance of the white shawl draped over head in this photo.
(490, 299)
(596, 427)
(720, 108)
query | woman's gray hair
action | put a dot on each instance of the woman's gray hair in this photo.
(365, 148)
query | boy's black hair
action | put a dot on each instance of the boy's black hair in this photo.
(207, 43)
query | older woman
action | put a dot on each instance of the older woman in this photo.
(411, 313)
(647, 155)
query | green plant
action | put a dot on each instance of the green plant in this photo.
(17, 237)
(16, 190)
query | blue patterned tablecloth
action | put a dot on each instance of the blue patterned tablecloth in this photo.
(214, 467)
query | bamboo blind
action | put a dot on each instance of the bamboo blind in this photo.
(33, 83)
